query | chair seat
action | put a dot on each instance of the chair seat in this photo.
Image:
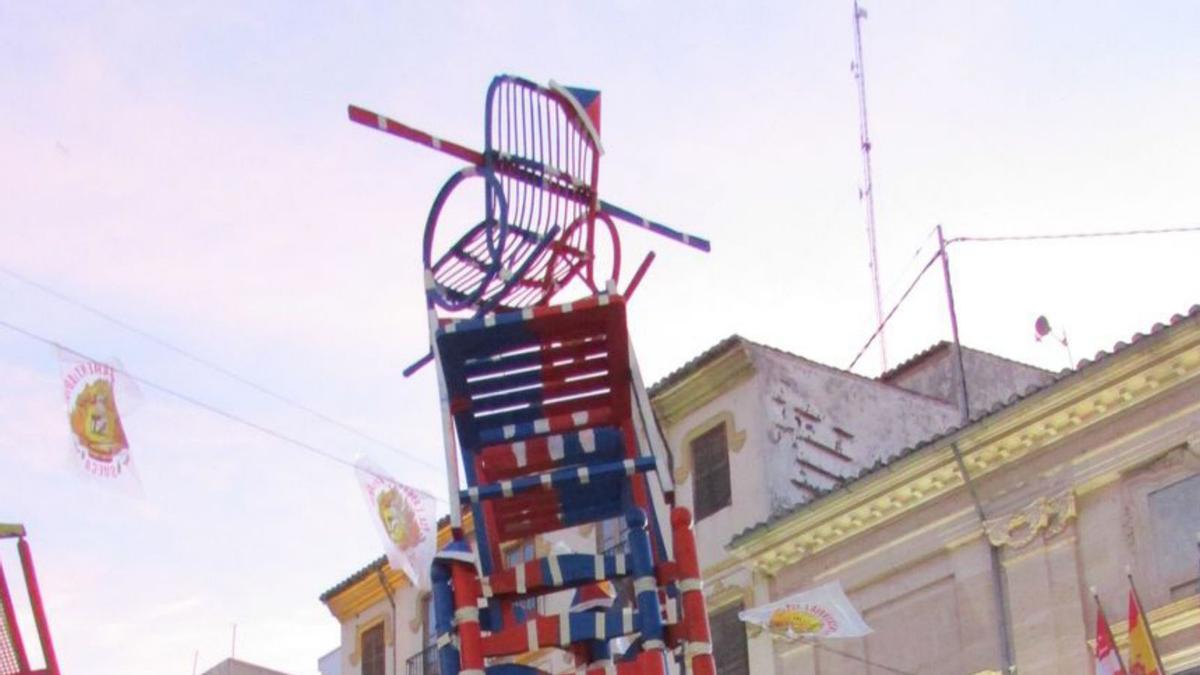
(560, 630)
(508, 460)
(566, 570)
(562, 483)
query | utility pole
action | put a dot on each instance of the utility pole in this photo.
(866, 193)
(999, 593)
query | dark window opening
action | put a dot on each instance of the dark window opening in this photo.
(710, 464)
(729, 641)
(373, 649)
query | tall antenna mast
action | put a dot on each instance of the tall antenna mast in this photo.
(866, 193)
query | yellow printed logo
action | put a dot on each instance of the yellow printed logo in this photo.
(96, 429)
(805, 619)
(96, 423)
(398, 519)
(796, 621)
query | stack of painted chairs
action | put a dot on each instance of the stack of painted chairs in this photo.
(548, 410)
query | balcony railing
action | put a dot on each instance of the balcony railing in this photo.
(424, 662)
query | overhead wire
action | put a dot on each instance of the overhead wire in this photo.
(1005, 238)
(879, 328)
(908, 264)
(220, 412)
(1075, 235)
(211, 365)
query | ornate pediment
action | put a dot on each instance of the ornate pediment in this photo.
(1045, 516)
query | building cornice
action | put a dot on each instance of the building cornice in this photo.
(364, 591)
(1078, 401)
(703, 385)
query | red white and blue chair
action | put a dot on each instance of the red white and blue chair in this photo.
(551, 416)
(546, 403)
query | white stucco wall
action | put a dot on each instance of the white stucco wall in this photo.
(825, 424)
(990, 379)
(749, 502)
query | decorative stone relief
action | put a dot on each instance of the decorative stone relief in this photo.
(1047, 516)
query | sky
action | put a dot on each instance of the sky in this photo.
(188, 169)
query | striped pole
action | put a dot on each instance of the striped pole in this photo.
(35, 604)
(443, 611)
(448, 440)
(9, 621)
(697, 646)
(645, 586)
(515, 169)
(466, 617)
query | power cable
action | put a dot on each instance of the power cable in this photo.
(186, 398)
(209, 364)
(879, 328)
(1006, 238)
(900, 276)
(1078, 235)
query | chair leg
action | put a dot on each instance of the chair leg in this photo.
(466, 617)
(697, 646)
(443, 611)
(645, 586)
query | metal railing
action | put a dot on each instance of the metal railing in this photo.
(424, 662)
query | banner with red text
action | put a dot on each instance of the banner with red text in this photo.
(405, 519)
(822, 612)
(93, 392)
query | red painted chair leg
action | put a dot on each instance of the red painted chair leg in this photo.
(466, 617)
(697, 647)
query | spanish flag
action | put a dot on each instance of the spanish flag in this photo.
(1143, 658)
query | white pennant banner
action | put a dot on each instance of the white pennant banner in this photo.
(823, 612)
(405, 519)
(94, 392)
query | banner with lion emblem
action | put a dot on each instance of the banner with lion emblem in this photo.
(99, 445)
(823, 612)
(405, 519)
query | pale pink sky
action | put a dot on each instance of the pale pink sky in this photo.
(192, 172)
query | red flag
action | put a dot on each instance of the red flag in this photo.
(1108, 659)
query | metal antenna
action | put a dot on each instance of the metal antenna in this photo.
(866, 193)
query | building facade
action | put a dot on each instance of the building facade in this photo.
(800, 474)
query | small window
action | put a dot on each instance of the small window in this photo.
(710, 464)
(729, 641)
(1173, 512)
(372, 645)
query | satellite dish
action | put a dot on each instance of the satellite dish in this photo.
(1041, 327)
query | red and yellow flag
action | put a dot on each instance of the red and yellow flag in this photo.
(1143, 660)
